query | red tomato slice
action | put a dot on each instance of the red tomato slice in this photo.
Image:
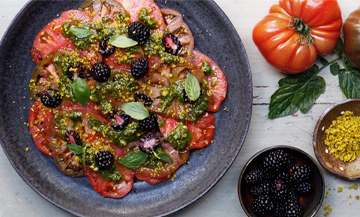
(50, 38)
(108, 188)
(133, 7)
(202, 131)
(39, 121)
(217, 81)
(157, 175)
(113, 60)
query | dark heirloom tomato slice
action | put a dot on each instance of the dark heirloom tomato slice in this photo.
(47, 75)
(202, 131)
(217, 81)
(64, 158)
(176, 25)
(133, 7)
(108, 188)
(50, 38)
(39, 122)
(164, 172)
(99, 9)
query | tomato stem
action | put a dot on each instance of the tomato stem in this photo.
(303, 29)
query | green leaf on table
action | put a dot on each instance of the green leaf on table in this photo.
(133, 160)
(296, 92)
(339, 47)
(80, 32)
(81, 91)
(122, 41)
(349, 81)
(76, 149)
(323, 60)
(135, 110)
(335, 68)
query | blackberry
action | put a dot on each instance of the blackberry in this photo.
(278, 209)
(140, 97)
(262, 205)
(149, 123)
(75, 71)
(105, 48)
(139, 67)
(255, 176)
(293, 195)
(104, 159)
(299, 173)
(303, 188)
(72, 137)
(261, 189)
(277, 160)
(284, 176)
(149, 143)
(280, 191)
(171, 43)
(292, 208)
(118, 119)
(100, 72)
(51, 98)
(138, 31)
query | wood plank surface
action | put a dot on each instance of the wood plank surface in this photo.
(18, 199)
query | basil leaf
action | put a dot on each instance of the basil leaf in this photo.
(81, 91)
(122, 41)
(296, 92)
(192, 87)
(135, 110)
(339, 47)
(335, 68)
(165, 157)
(80, 32)
(76, 149)
(349, 81)
(133, 160)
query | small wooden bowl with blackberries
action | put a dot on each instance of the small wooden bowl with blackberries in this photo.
(281, 181)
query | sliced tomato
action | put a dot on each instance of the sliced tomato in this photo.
(202, 131)
(108, 188)
(116, 60)
(163, 173)
(217, 81)
(39, 121)
(99, 9)
(50, 38)
(133, 8)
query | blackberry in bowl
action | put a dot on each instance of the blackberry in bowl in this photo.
(281, 181)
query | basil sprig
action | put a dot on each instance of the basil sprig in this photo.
(135, 110)
(162, 156)
(192, 87)
(300, 91)
(81, 91)
(78, 150)
(133, 160)
(80, 32)
(122, 41)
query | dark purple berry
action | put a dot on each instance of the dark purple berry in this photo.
(105, 48)
(104, 160)
(119, 119)
(139, 67)
(149, 123)
(138, 31)
(72, 137)
(299, 173)
(140, 97)
(100, 71)
(75, 71)
(171, 43)
(51, 98)
(255, 176)
(149, 143)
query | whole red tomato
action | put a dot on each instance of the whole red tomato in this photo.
(295, 31)
(351, 31)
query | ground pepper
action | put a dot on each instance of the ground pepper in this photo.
(343, 137)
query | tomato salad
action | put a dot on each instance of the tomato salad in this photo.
(121, 93)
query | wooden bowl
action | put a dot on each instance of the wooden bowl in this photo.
(311, 203)
(345, 170)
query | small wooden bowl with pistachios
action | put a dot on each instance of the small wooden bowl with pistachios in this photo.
(336, 138)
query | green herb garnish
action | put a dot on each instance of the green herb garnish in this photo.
(135, 110)
(192, 87)
(80, 32)
(81, 91)
(122, 41)
(133, 160)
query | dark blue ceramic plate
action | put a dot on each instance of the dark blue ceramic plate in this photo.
(214, 35)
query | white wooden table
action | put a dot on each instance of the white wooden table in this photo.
(18, 199)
